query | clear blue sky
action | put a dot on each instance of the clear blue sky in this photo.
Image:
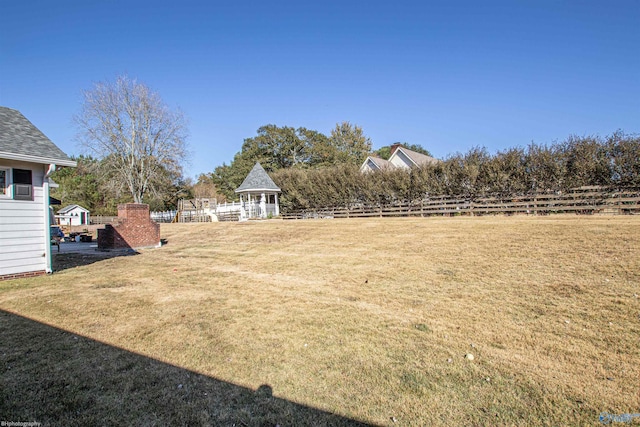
(448, 75)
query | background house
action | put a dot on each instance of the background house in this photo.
(27, 159)
(73, 215)
(373, 163)
(401, 157)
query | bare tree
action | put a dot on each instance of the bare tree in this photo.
(139, 139)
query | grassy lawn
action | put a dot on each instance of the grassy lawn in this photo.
(334, 322)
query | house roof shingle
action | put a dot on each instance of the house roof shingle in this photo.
(418, 158)
(257, 180)
(375, 163)
(21, 140)
(380, 162)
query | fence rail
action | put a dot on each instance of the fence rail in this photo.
(102, 219)
(584, 200)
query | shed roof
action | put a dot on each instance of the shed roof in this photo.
(257, 180)
(21, 140)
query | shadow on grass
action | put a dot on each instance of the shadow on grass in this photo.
(62, 261)
(55, 377)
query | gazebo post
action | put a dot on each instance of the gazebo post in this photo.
(243, 213)
(263, 206)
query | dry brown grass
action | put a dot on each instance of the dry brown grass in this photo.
(371, 319)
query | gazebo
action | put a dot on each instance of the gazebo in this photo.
(258, 195)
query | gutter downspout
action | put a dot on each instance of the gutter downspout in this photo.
(47, 219)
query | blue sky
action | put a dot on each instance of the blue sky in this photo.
(448, 75)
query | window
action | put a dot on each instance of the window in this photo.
(22, 188)
(4, 183)
(22, 176)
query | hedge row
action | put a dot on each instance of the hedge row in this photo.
(575, 162)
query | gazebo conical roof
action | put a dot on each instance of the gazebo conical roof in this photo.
(257, 180)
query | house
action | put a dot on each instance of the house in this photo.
(401, 157)
(258, 195)
(373, 163)
(73, 215)
(27, 159)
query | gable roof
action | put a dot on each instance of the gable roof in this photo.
(375, 163)
(258, 180)
(21, 140)
(418, 159)
(69, 208)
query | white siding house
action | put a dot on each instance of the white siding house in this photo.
(27, 159)
(73, 215)
(373, 163)
(400, 158)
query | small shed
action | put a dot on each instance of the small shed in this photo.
(258, 195)
(73, 215)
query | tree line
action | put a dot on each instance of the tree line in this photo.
(136, 147)
(316, 176)
(578, 161)
(285, 147)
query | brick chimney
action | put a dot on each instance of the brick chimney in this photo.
(133, 229)
(394, 147)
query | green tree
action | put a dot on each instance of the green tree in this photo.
(82, 186)
(385, 152)
(285, 147)
(350, 143)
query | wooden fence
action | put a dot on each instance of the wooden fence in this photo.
(102, 219)
(583, 200)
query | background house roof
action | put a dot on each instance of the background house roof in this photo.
(375, 163)
(257, 180)
(418, 158)
(380, 162)
(21, 140)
